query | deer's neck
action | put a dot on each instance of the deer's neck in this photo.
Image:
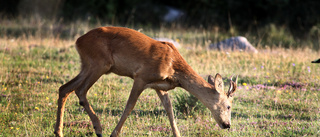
(191, 81)
(195, 84)
(198, 87)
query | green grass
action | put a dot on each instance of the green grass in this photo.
(278, 91)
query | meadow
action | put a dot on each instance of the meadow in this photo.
(278, 88)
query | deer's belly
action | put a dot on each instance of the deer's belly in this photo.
(161, 85)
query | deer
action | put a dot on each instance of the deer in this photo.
(151, 64)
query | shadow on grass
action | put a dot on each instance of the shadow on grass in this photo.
(269, 116)
(140, 113)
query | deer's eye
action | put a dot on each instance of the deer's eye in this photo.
(228, 107)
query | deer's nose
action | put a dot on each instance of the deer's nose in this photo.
(226, 125)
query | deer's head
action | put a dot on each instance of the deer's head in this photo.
(221, 107)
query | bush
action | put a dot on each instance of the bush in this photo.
(188, 104)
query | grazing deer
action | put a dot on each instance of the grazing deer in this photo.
(151, 64)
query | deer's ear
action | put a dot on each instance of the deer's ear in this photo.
(211, 80)
(218, 83)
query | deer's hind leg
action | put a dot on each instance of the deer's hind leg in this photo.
(91, 75)
(80, 84)
(64, 91)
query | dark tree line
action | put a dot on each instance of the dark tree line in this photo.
(298, 15)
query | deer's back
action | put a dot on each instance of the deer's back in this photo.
(130, 53)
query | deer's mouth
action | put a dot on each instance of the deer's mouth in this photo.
(225, 125)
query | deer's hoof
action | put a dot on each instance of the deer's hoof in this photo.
(58, 134)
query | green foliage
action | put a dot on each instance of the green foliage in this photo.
(278, 36)
(244, 14)
(298, 16)
(188, 105)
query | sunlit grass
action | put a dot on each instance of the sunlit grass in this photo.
(278, 91)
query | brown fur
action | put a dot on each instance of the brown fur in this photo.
(152, 64)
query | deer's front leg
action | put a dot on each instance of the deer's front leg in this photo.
(164, 96)
(138, 87)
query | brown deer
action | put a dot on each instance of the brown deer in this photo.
(151, 64)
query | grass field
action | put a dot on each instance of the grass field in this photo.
(278, 91)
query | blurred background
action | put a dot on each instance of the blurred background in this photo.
(284, 23)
